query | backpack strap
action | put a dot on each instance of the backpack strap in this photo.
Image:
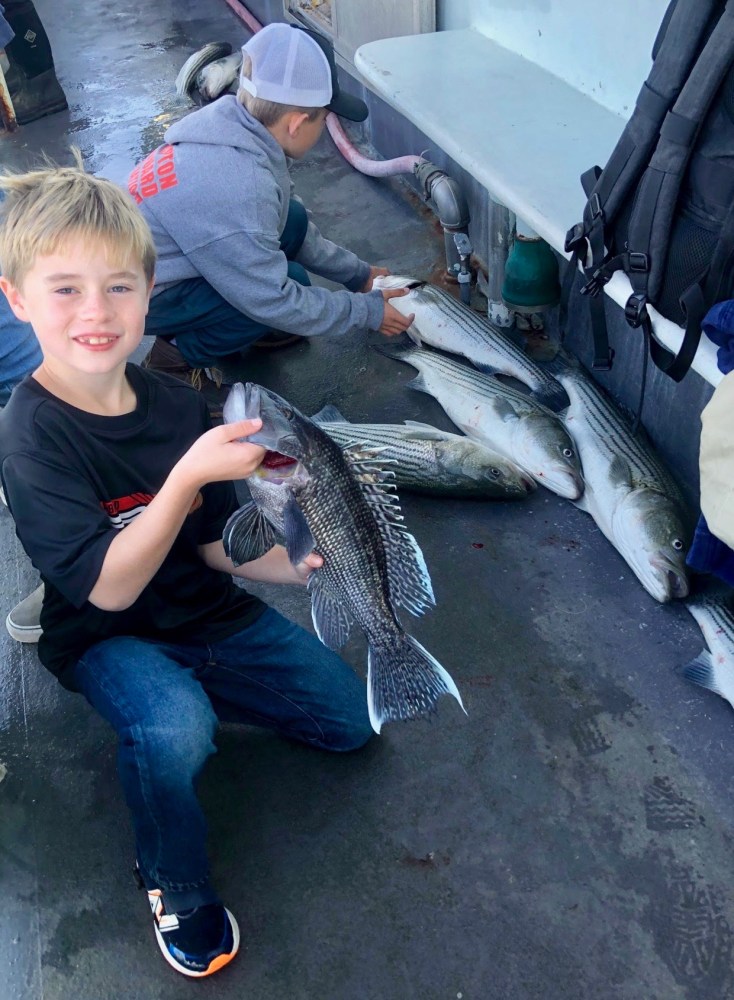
(674, 52)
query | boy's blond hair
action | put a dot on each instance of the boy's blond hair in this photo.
(268, 113)
(44, 208)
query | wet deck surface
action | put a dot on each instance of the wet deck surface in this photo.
(570, 838)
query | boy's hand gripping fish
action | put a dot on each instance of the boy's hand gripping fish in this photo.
(317, 496)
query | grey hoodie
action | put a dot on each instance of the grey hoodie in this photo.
(216, 199)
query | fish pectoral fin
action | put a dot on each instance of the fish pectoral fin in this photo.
(419, 384)
(620, 473)
(298, 538)
(331, 619)
(248, 534)
(504, 409)
(329, 415)
(415, 335)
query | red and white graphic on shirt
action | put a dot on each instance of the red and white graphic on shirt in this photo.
(123, 510)
(156, 173)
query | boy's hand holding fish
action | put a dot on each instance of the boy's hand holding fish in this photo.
(221, 454)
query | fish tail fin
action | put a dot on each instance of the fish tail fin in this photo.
(404, 682)
(400, 350)
(197, 60)
(710, 675)
(552, 395)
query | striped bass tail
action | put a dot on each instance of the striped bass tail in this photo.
(553, 396)
(404, 682)
(712, 675)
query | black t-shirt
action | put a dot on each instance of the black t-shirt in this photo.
(74, 479)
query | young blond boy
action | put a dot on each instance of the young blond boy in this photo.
(120, 489)
(234, 247)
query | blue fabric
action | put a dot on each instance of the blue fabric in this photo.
(165, 701)
(6, 32)
(20, 353)
(205, 325)
(708, 554)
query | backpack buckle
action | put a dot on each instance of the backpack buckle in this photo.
(595, 206)
(604, 364)
(639, 262)
(635, 310)
(574, 238)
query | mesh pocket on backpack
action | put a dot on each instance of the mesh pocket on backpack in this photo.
(689, 254)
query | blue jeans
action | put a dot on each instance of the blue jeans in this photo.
(164, 702)
(20, 353)
(203, 323)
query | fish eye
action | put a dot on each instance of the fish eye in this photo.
(567, 453)
(495, 472)
(677, 545)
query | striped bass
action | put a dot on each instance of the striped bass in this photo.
(630, 494)
(488, 410)
(195, 63)
(427, 460)
(713, 668)
(318, 496)
(443, 322)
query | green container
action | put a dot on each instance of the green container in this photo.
(531, 276)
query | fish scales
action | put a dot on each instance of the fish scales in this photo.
(343, 525)
(443, 322)
(506, 419)
(613, 436)
(424, 459)
(629, 493)
(713, 668)
(325, 500)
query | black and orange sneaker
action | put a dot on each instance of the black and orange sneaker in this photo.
(197, 942)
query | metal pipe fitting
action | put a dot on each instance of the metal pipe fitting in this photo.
(448, 202)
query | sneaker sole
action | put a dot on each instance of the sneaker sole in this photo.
(21, 634)
(219, 962)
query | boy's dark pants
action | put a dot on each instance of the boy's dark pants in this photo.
(204, 324)
(165, 701)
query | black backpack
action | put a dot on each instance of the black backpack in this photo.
(662, 209)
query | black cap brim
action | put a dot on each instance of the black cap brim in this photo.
(347, 106)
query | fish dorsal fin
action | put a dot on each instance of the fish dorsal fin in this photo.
(329, 415)
(424, 432)
(408, 577)
(248, 535)
(417, 425)
(331, 619)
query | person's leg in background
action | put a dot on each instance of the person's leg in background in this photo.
(194, 325)
(34, 88)
(19, 356)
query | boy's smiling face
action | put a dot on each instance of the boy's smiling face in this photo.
(87, 308)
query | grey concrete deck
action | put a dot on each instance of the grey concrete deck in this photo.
(570, 839)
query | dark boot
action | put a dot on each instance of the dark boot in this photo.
(165, 357)
(34, 89)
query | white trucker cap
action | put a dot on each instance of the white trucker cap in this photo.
(293, 65)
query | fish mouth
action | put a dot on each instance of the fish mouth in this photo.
(673, 581)
(277, 468)
(564, 482)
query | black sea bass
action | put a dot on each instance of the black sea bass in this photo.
(314, 495)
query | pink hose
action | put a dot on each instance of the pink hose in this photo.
(373, 168)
